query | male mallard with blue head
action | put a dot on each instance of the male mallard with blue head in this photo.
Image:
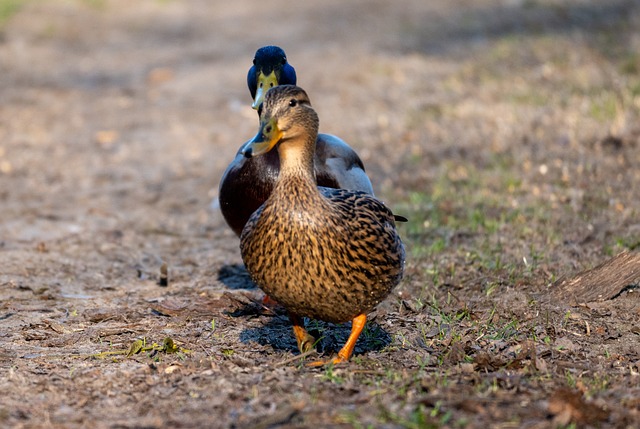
(248, 182)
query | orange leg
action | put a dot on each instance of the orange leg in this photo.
(305, 341)
(357, 325)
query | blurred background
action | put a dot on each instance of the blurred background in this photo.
(105, 94)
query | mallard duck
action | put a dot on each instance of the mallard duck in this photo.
(247, 182)
(323, 253)
(270, 68)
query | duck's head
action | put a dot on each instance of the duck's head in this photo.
(287, 116)
(270, 68)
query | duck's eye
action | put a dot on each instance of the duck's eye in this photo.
(293, 102)
(254, 61)
(284, 60)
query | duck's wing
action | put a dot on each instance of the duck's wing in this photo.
(339, 166)
(245, 185)
(369, 224)
(356, 204)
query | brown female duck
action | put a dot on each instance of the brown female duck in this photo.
(247, 182)
(328, 254)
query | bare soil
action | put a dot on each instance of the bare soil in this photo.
(506, 131)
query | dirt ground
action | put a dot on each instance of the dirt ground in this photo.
(507, 131)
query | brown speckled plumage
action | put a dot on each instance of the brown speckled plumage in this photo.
(328, 254)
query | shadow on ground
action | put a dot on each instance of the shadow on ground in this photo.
(278, 334)
(235, 276)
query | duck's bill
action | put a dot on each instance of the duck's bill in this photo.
(268, 136)
(265, 82)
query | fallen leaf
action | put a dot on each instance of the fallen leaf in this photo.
(135, 348)
(568, 406)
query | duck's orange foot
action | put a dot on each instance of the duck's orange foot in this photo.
(334, 361)
(345, 353)
(304, 339)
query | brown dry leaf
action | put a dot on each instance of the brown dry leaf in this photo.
(96, 315)
(467, 368)
(568, 406)
(527, 353)
(54, 326)
(34, 335)
(487, 362)
(540, 365)
(169, 307)
(456, 353)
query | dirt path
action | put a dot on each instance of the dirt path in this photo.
(506, 131)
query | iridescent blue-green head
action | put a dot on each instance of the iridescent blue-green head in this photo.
(270, 68)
